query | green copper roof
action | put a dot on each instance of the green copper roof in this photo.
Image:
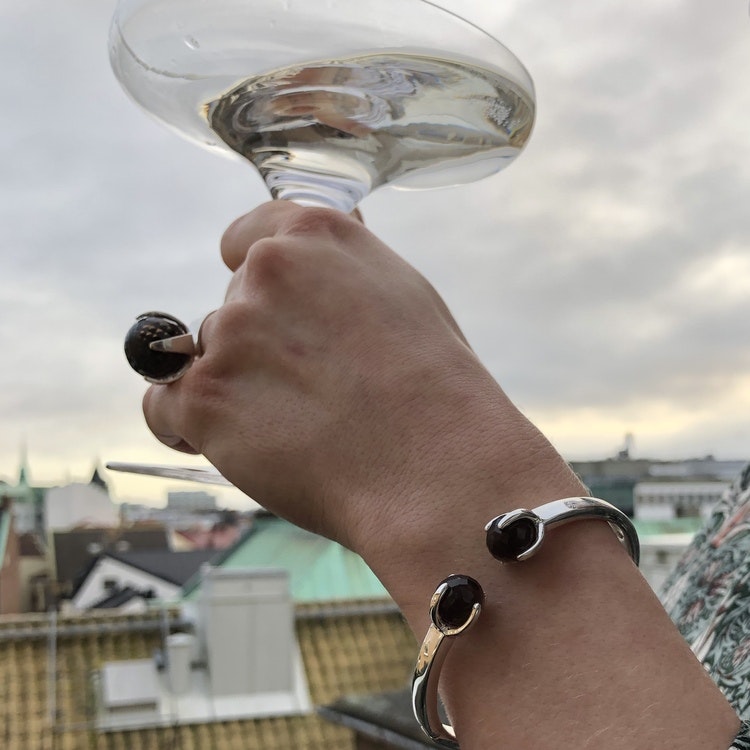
(320, 570)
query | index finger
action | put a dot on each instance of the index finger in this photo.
(263, 221)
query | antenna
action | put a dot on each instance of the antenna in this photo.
(625, 453)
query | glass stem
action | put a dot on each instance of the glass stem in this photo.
(315, 189)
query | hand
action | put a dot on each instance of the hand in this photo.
(336, 389)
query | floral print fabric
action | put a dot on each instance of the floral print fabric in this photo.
(708, 598)
(742, 741)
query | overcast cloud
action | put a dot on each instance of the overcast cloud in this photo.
(604, 278)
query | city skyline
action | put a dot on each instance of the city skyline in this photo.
(155, 492)
(603, 278)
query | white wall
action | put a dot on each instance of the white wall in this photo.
(247, 626)
(659, 556)
(24, 514)
(77, 504)
(663, 501)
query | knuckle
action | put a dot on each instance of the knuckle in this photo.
(233, 332)
(268, 262)
(232, 318)
(320, 221)
(239, 339)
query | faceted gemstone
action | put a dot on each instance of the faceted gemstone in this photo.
(457, 601)
(508, 543)
(150, 327)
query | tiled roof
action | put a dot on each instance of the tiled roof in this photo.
(320, 570)
(347, 650)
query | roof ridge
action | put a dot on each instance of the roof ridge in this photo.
(164, 575)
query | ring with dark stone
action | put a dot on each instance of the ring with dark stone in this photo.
(156, 366)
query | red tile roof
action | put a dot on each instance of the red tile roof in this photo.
(46, 698)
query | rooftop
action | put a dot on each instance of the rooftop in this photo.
(75, 549)
(320, 570)
(46, 698)
(171, 566)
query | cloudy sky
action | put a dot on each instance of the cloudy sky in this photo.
(604, 277)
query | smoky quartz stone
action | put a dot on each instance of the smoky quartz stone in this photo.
(508, 543)
(458, 599)
(159, 367)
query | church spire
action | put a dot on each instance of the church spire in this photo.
(97, 479)
(23, 471)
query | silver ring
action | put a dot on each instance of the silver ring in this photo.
(455, 606)
(161, 348)
(518, 535)
(186, 343)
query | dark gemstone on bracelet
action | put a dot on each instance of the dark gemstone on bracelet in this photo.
(458, 600)
(508, 543)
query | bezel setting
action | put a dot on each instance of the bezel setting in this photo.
(473, 599)
(499, 531)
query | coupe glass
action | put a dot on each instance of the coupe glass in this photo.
(328, 99)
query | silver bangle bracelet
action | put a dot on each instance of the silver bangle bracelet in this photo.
(518, 535)
(457, 602)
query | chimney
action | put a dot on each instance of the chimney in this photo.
(179, 649)
(248, 631)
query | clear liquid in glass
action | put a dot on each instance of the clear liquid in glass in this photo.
(327, 133)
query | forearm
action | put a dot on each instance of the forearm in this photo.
(335, 388)
(572, 649)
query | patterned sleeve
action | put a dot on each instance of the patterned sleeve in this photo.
(742, 740)
(708, 598)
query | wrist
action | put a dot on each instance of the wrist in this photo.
(421, 534)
